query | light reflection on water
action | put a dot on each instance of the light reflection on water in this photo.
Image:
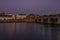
(29, 31)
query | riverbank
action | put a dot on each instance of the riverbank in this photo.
(16, 21)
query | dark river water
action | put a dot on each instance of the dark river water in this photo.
(29, 31)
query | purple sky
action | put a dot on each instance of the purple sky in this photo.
(13, 5)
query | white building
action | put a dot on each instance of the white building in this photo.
(20, 16)
(10, 16)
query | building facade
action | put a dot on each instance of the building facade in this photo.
(20, 16)
(10, 16)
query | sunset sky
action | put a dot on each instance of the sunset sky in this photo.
(29, 6)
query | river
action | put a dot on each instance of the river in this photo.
(29, 31)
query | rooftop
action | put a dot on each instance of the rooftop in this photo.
(5, 15)
(21, 14)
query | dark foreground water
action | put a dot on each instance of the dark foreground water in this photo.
(29, 31)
